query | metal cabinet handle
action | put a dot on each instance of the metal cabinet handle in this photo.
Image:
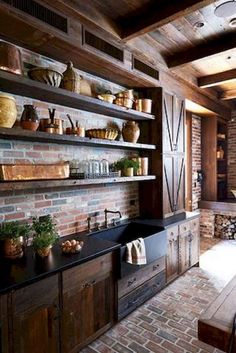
(89, 284)
(155, 267)
(131, 281)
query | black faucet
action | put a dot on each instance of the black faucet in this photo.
(106, 211)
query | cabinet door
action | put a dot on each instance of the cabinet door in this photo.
(4, 332)
(195, 242)
(179, 184)
(35, 317)
(184, 246)
(88, 302)
(173, 124)
(172, 258)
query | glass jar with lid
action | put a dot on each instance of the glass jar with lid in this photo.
(104, 167)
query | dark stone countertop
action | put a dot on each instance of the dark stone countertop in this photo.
(30, 268)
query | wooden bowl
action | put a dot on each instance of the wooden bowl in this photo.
(46, 75)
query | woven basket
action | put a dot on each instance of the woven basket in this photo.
(107, 134)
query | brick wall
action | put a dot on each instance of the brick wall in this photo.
(196, 160)
(231, 156)
(70, 206)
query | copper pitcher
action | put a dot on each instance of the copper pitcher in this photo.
(10, 58)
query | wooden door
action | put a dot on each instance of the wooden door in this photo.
(4, 327)
(172, 258)
(184, 246)
(88, 302)
(173, 124)
(195, 242)
(35, 317)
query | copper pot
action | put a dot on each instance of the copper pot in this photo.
(124, 102)
(55, 128)
(10, 58)
(144, 105)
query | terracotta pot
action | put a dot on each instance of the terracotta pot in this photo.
(130, 131)
(71, 79)
(44, 252)
(13, 248)
(128, 172)
(29, 118)
(8, 111)
(10, 58)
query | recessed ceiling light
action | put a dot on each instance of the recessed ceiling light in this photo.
(232, 23)
(199, 24)
(226, 9)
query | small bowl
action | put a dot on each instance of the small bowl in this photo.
(107, 97)
(46, 75)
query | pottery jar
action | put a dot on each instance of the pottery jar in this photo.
(29, 118)
(8, 111)
(13, 248)
(130, 131)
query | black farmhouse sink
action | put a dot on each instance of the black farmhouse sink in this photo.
(154, 238)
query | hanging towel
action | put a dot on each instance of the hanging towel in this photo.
(136, 252)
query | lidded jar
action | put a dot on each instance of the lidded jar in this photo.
(130, 131)
(71, 79)
(8, 111)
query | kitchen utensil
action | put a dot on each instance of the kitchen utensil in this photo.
(29, 118)
(109, 134)
(8, 111)
(71, 79)
(107, 97)
(46, 75)
(130, 131)
(80, 130)
(143, 105)
(124, 102)
(52, 125)
(71, 130)
(10, 58)
(34, 171)
(126, 94)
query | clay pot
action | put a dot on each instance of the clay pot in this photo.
(71, 79)
(29, 118)
(44, 252)
(8, 111)
(130, 131)
(13, 248)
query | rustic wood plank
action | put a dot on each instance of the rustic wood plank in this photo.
(28, 88)
(203, 50)
(230, 94)
(38, 136)
(219, 205)
(215, 325)
(45, 184)
(150, 17)
(217, 79)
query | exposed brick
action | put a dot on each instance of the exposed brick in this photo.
(14, 216)
(172, 347)
(155, 348)
(138, 348)
(187, 346)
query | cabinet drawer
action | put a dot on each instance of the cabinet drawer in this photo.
(184, 227)
(194, 224)
(172, 233)
(87, 272)
(129, 283)
(137, 297)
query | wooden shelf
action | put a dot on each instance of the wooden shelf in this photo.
(38, 136)
(26, 87)
(38, 184)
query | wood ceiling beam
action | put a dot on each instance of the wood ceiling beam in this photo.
(153, 16)
(217, 79)
(227, 95)
(212, 47)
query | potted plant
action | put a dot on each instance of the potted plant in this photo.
(45, 235)
(127, 166)
(13, 235)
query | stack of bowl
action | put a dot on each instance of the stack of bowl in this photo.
(125, 98)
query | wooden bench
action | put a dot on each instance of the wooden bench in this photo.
(215, 325)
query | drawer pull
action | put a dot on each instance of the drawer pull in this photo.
(185, 228)
(131, 282)
(155, 267)
(157, 285)
(171, 233)
(89, 284)
(133, 302)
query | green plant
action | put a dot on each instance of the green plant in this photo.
(13, 230)
(45, 233)
(125, 163)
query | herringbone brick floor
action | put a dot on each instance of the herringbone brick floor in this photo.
(168, 321)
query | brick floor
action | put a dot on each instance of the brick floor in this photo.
(168, 321)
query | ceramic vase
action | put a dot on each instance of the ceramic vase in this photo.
(130, 131)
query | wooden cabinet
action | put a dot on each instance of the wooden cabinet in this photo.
(166, 195)
(214, 159)
(88, 302)
(172, 258)
(182, 248)
(34, 317)
(4, 327)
